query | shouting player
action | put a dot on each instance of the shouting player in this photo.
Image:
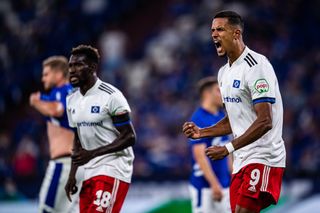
(251, 95)
(105, 135)
(60, 136)
(209, 180)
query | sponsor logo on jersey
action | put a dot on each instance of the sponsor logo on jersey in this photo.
(95, 109)
(88, 124)
(232, 100)
(236, 84)
(261, 85)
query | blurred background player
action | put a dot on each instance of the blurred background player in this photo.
(210, 180)
(105, 135)
(60, 135)
(253, 102)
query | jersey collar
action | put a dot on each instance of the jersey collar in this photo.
(94, 87)
(241, 57)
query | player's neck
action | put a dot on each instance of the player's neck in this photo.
(237, 51)
(90, 83)
(210, 107)
(62, 82)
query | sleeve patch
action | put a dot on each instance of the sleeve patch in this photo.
(261, 85)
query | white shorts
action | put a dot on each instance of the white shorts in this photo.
(202, 201)
(52, 197)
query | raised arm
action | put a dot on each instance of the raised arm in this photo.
(258, 128)
(219, 129)
(126, 138)
(46, 108)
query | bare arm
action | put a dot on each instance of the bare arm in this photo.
(203, 162)
(71, 187)
(258, 128)
(219, 129)
(54, 109)
(126, 138)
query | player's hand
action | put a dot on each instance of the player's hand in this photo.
(217, 193)
(216, 152)
(81, 157)
(34, 97)
(191, 130)
(71, 187)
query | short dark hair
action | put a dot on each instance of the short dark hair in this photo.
(57, 63)
(233, 18)
(90, 52)
(205, 83)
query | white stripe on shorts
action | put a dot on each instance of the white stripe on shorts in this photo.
(265, 179)
(113, 195)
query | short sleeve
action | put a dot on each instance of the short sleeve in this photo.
(220, 83)
(118, 104)
(262, 82)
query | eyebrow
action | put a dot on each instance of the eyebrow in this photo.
(218, 27)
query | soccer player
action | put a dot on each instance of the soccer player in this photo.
(55, 79)
(105, 135)
(209, 180)
(251, 95)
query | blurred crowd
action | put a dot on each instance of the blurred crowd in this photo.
(155, 52)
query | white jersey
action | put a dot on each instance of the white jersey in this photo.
(91, 115)
(250, 80)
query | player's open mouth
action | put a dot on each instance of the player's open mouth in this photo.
(218, 44)
(73, 79)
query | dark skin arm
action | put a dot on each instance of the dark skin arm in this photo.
(258, 128)
(126, 138)
(71, 187)
(221, 128)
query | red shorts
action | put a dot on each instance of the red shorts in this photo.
(255, 187)
(102, 194)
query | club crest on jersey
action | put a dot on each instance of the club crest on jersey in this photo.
(236, 84)
(261, 85)
(95, 109)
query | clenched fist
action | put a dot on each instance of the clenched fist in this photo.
(216, 152)
(191, 130)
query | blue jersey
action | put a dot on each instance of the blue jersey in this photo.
(203, 118)
(59, 94)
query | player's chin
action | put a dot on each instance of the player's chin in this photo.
(221, 53)
(46, 87)
(75, 82)
(74, 85)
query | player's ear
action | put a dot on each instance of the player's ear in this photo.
(237, 33)
(93, 67)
